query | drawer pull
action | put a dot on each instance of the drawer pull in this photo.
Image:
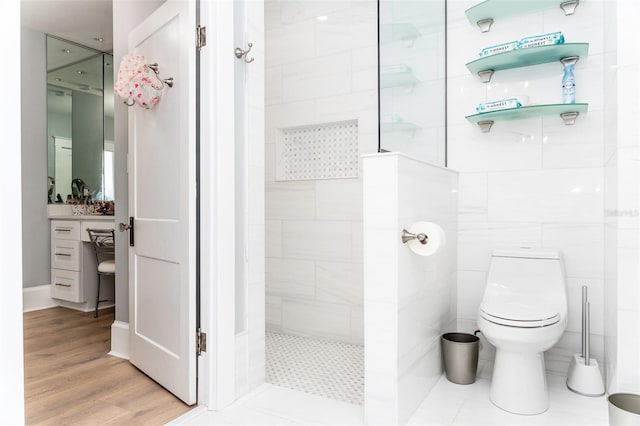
(63, 254)
(63, 229)
(63, 285)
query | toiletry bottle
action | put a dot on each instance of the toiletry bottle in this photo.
(568, 83)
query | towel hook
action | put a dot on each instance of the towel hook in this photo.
(240, 53)
(165, 81)
(154, 68)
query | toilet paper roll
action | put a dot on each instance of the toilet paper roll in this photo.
(435, 235)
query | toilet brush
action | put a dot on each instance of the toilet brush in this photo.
(584, 373)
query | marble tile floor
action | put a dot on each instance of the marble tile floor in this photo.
(447, 404)
(333, 370)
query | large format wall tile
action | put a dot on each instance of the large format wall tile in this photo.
(317, 318)
(567, 196)
(316, 240)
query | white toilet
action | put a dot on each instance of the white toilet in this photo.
(523, 313)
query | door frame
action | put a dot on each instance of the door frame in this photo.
(11, 361)
(216, 366)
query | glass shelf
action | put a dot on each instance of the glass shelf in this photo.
(398, 127)
(483, 14)
(485, 67)
(397, 76)
(399, 32)
(568, 112)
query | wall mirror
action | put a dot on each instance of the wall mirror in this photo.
(80, 148)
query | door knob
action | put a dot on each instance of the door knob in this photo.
(127, 227)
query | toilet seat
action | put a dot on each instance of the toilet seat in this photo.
(519, 323)
(526, 314)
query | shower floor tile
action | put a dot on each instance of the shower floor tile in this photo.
(330, 369)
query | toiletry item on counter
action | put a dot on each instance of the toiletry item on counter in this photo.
(569, 81)
(499, 48)
(498, 105)
(541, 40)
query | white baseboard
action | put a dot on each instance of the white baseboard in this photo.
(82, 307)
(36, 298)
(120, 339)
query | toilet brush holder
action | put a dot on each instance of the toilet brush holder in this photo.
(584, 375)
(585, 378)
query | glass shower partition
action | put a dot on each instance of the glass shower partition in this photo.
(412, 78)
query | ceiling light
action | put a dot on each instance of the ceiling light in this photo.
(58, 79)
(98, 39)
(66, 50)
(81, 72)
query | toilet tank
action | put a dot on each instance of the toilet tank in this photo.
(531, 275)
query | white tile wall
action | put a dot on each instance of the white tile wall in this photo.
(409, 300)
(622, 220)
(533, 182)
(317, 72)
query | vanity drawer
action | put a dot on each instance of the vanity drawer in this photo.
(65, 285)
(65, 230)
(93, 224)
(65, 254)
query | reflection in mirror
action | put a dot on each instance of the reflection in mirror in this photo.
(79, 123)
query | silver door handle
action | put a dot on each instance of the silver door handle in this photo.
(124, 227)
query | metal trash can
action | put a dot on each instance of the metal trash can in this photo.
(460, 356)
(624, 409)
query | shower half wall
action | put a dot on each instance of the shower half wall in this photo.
(321, 79)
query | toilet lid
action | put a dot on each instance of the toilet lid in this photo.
(519, 314)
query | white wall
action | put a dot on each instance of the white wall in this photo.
(533, 182)
(622, 206)
(317, 71)
(126, 15)
(36, 235)
(250, 344)
(11, 356)
(410, 300)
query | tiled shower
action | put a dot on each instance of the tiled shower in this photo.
(321, 72)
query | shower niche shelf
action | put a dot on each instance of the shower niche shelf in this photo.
(485, 67)
(483, 14)
(568, 113)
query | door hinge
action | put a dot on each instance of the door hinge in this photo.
(201, 37)
(201, 342)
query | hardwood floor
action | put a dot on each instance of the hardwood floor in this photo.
(70, 379)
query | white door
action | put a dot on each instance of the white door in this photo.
(162, 195)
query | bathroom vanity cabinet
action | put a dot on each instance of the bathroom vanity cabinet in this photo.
(74, 272)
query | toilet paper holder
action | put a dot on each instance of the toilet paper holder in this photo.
(408, 236)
